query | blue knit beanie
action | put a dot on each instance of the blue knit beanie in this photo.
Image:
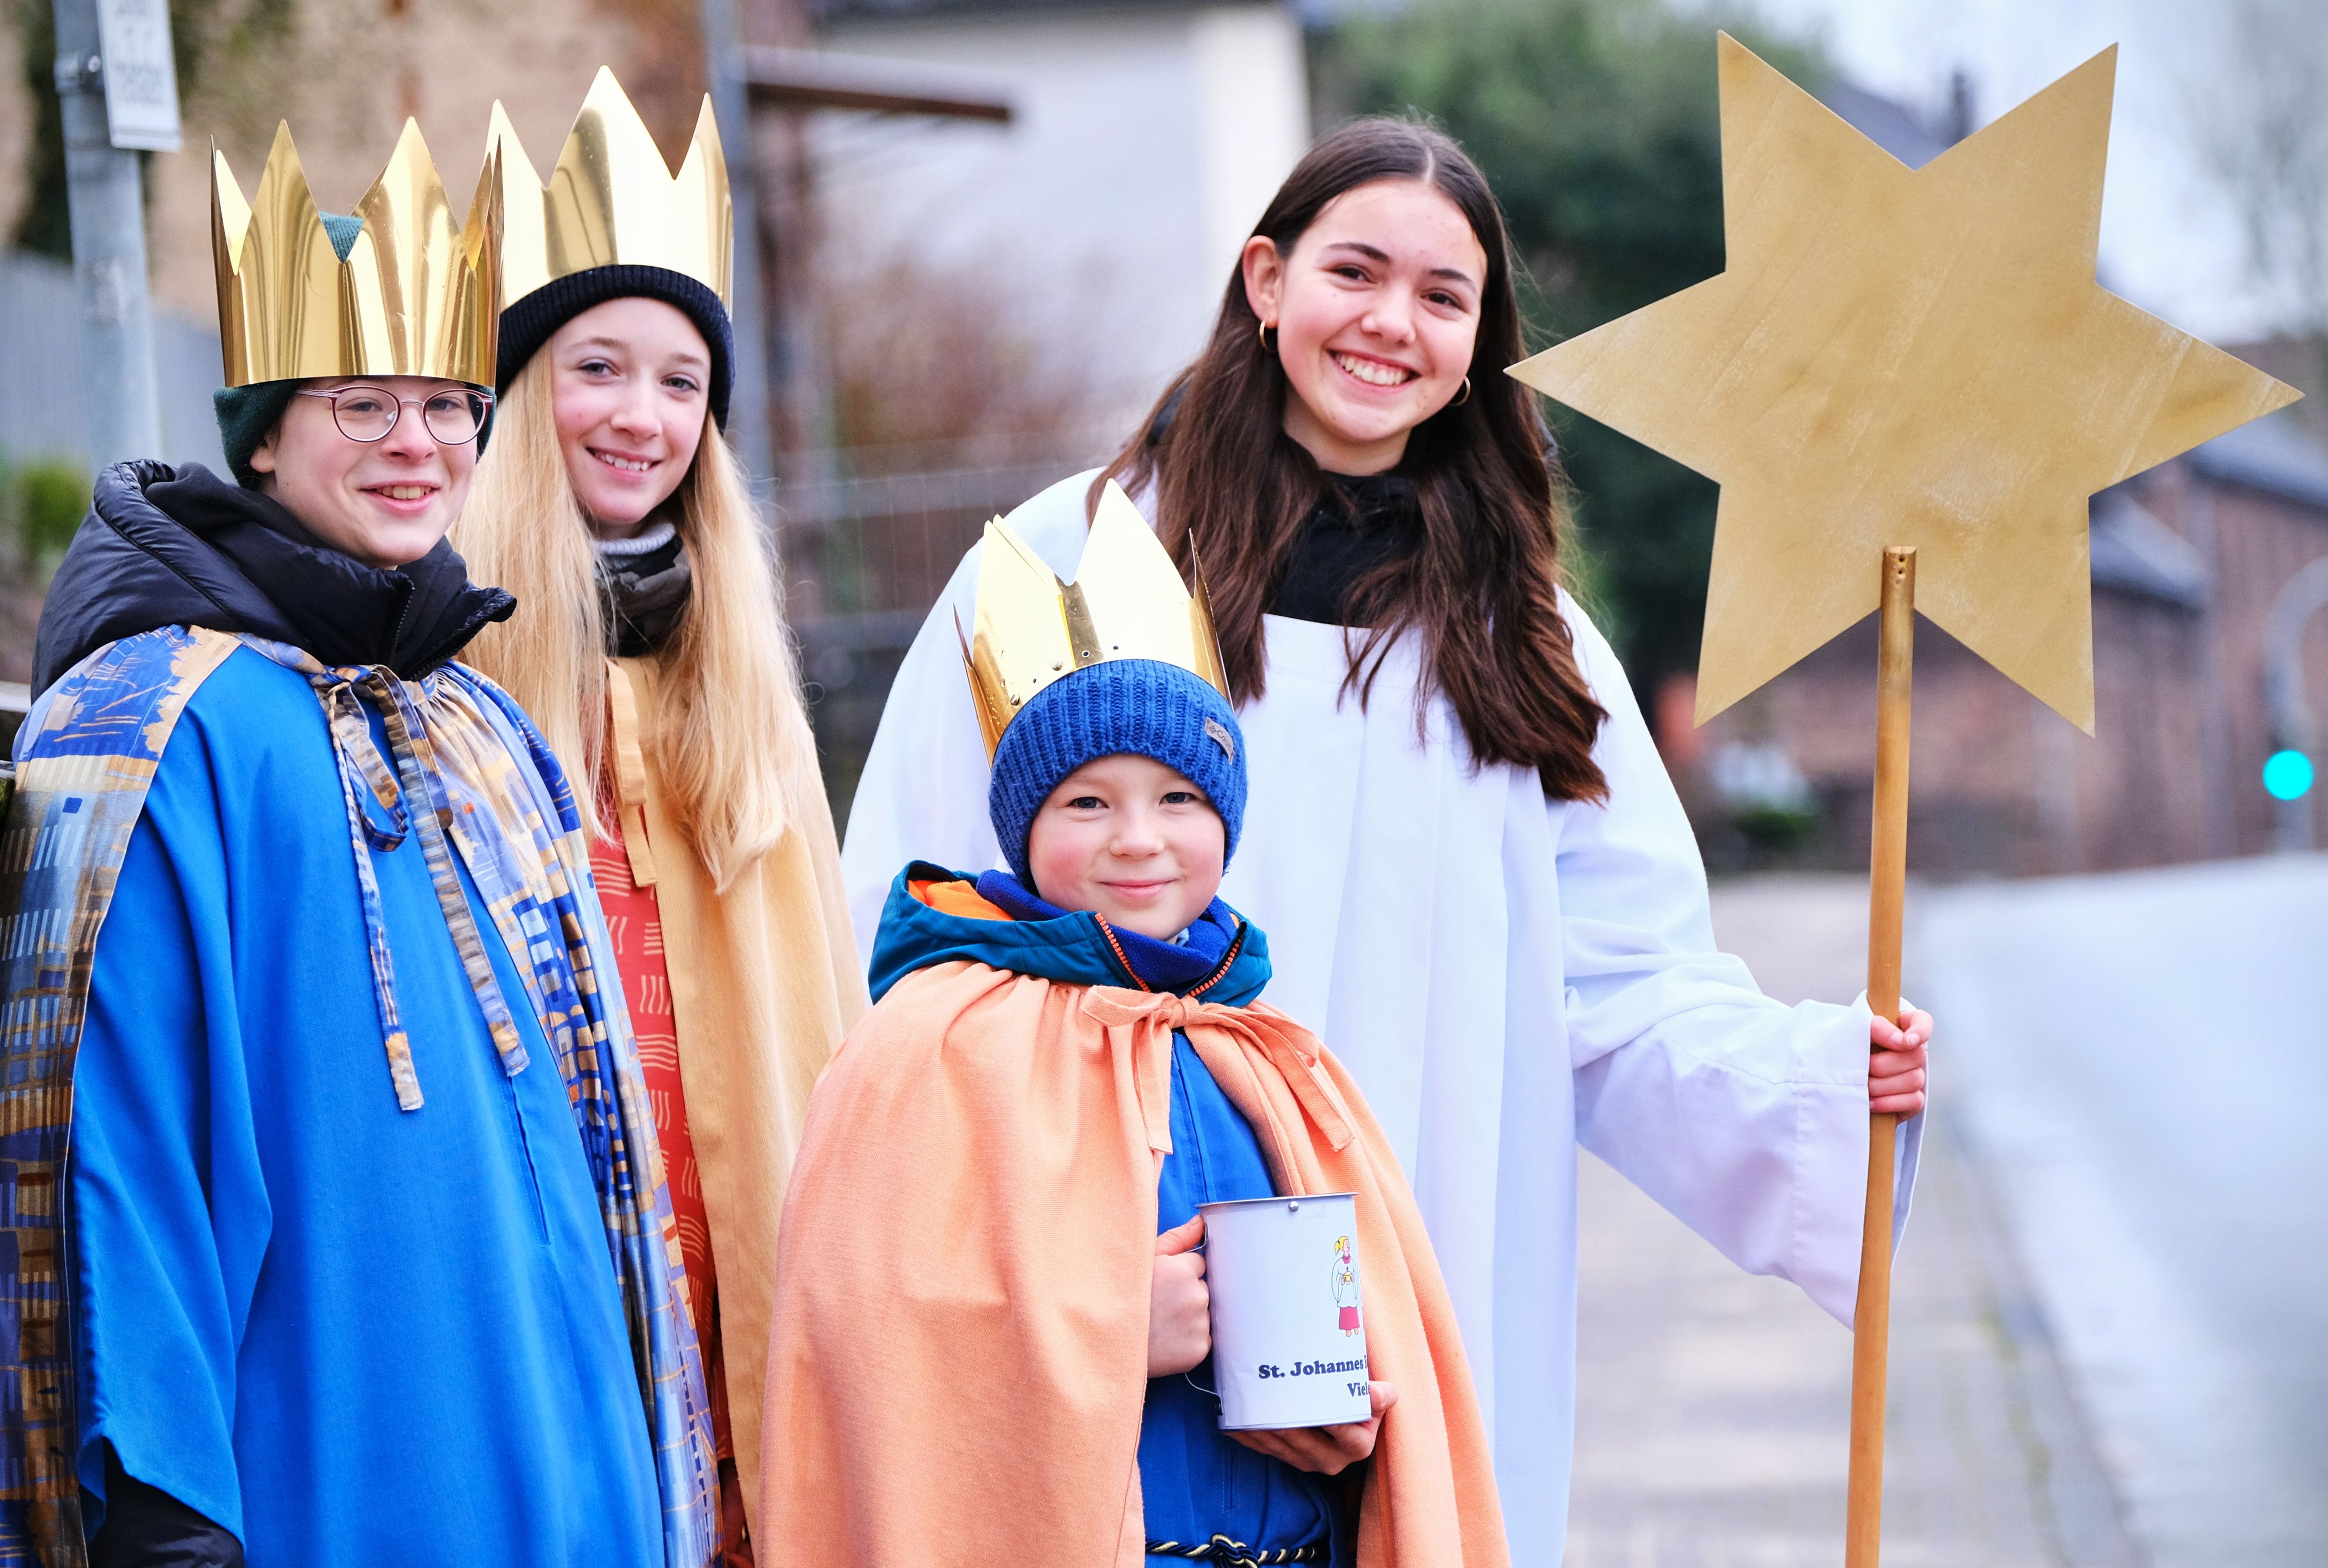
(1142, 706)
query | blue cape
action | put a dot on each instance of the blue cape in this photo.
(360, 1264)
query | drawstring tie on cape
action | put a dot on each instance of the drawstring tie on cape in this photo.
(1210, 1027)
(345, 693)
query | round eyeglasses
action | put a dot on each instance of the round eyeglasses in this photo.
(369, 413)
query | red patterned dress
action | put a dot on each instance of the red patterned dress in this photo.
(635, 923)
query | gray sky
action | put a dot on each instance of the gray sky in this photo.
(2171, 241)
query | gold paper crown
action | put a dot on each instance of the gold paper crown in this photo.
(612, 199)
(413, 298)
(1127, 602)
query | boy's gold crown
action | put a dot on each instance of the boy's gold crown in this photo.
(1127, 602)
(612, 199)
(414, 297)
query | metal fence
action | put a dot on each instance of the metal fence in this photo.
(864, 559)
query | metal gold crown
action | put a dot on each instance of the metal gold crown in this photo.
(414, 297)
(1127, 602)
(612, 199)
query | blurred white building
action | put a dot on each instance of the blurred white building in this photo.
(1145, 140)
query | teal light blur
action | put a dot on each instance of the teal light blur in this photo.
(2288, 775)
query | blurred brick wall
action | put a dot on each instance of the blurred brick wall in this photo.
(351, 72)
(2001, 786)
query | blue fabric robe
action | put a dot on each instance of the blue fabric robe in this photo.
(352, 1334)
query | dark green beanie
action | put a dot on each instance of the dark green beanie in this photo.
(248, 414)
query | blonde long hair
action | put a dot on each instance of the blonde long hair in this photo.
(729, 738)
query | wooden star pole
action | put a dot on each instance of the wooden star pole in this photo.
(1887, 897)
(1908, 385)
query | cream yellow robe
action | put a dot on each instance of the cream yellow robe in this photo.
(764, 981)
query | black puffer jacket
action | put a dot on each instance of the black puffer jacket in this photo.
(181, 547)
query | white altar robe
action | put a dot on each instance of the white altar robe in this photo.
(1505, 976)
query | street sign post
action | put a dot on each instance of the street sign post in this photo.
(108, 208)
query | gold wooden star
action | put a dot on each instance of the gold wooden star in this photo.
(1905, 357)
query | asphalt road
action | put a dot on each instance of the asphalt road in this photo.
(2137, 1063)
(1713, 1408)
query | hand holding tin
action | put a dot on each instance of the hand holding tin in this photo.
(1180, 1307)
(1326, 1450)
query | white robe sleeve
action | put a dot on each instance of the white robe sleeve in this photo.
(1745, 1118)
(923, 794)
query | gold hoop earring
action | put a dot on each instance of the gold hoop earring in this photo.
(1263, 334)
(1466, 395)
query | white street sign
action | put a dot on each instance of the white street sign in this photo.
(141, 78)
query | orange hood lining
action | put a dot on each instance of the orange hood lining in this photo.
(962, 898)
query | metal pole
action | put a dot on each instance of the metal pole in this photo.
(2293, 728)
(108, 245)
(747, 413)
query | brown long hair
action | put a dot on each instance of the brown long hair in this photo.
(1481, 594)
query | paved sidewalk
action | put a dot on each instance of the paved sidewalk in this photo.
(1714, 1407)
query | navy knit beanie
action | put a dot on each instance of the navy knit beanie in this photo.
(1142, 706)
(534, 320)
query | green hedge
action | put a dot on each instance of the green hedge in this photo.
(1597, 122)
(43, 501)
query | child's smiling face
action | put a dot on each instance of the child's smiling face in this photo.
(1131, 839)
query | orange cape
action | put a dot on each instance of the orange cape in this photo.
(960, 1345)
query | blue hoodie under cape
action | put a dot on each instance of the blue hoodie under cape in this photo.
(1197, 1482)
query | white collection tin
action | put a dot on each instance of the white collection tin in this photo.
(1289, 1339)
